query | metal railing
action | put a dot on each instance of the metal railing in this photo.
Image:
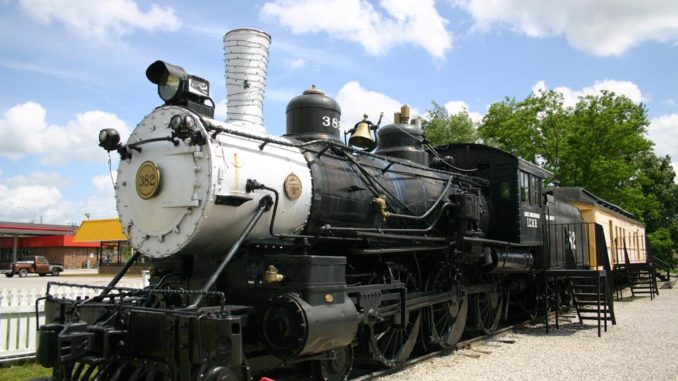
(661, 265)
(18, 318)
(631, 246)
(566, 245)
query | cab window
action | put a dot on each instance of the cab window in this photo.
(504, 190)
(524, 186)
(535, 189)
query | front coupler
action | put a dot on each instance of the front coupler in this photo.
(130, 341)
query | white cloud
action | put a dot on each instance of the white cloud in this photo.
(51, 179)
(663, 131)
(104, 183)
(40, 69)
(296, 63)
(317, 55)
(570, 96)
(220, 109)
(356, 101)
(98, 207)
(26, 203)
(25, 131)
(32, 197)
(103, 19)
(539, 87)
(396, 22)
(455, 107)
(601, 27)
(45, 202)
(70, 212)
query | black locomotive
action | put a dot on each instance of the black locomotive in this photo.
(400, 247)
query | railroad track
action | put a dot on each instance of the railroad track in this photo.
(464, 344)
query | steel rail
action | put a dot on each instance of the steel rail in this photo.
(441, 352)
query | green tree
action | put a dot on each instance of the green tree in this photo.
(534, 128)
(657, 180)
(597, 144)
(662, 245)
(600, 144)
(660, 211)
(606, 142)
(441, 128)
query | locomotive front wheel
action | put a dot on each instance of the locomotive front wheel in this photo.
(444, 322)
(337, 368)
(391, 341)
(392, 346)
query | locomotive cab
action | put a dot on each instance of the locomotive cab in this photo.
(530, 218)
(514, 193)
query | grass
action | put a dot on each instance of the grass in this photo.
(24, 372)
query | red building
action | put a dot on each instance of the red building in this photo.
(54, 242)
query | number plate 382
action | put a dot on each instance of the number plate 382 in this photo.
(148, 180)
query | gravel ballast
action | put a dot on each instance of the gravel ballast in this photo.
(643, 345)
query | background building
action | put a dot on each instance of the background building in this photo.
(112, 244)
(54, 242)
(94, 243)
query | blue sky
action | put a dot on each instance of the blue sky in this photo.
(71, 67)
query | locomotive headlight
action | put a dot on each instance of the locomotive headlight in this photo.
(182, 126)
(169, 79)
(189, 122)
(176, 87)
(176, 123)
(109, 139)
(169, 88)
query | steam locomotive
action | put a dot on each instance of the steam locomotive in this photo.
(302, 252)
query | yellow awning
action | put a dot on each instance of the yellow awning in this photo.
(100, 231)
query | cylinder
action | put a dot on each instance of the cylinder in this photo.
(292, 327)
(246, 60)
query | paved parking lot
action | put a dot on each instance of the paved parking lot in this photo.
(90, 277)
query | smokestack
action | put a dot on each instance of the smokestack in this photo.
(246, 58)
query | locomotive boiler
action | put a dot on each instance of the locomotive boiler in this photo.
(299, 252)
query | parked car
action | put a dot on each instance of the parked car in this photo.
(36, 264)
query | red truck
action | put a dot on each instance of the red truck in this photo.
(37, 264)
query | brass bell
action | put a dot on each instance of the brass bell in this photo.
(361, 135)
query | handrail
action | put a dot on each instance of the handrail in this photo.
(659, 263)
